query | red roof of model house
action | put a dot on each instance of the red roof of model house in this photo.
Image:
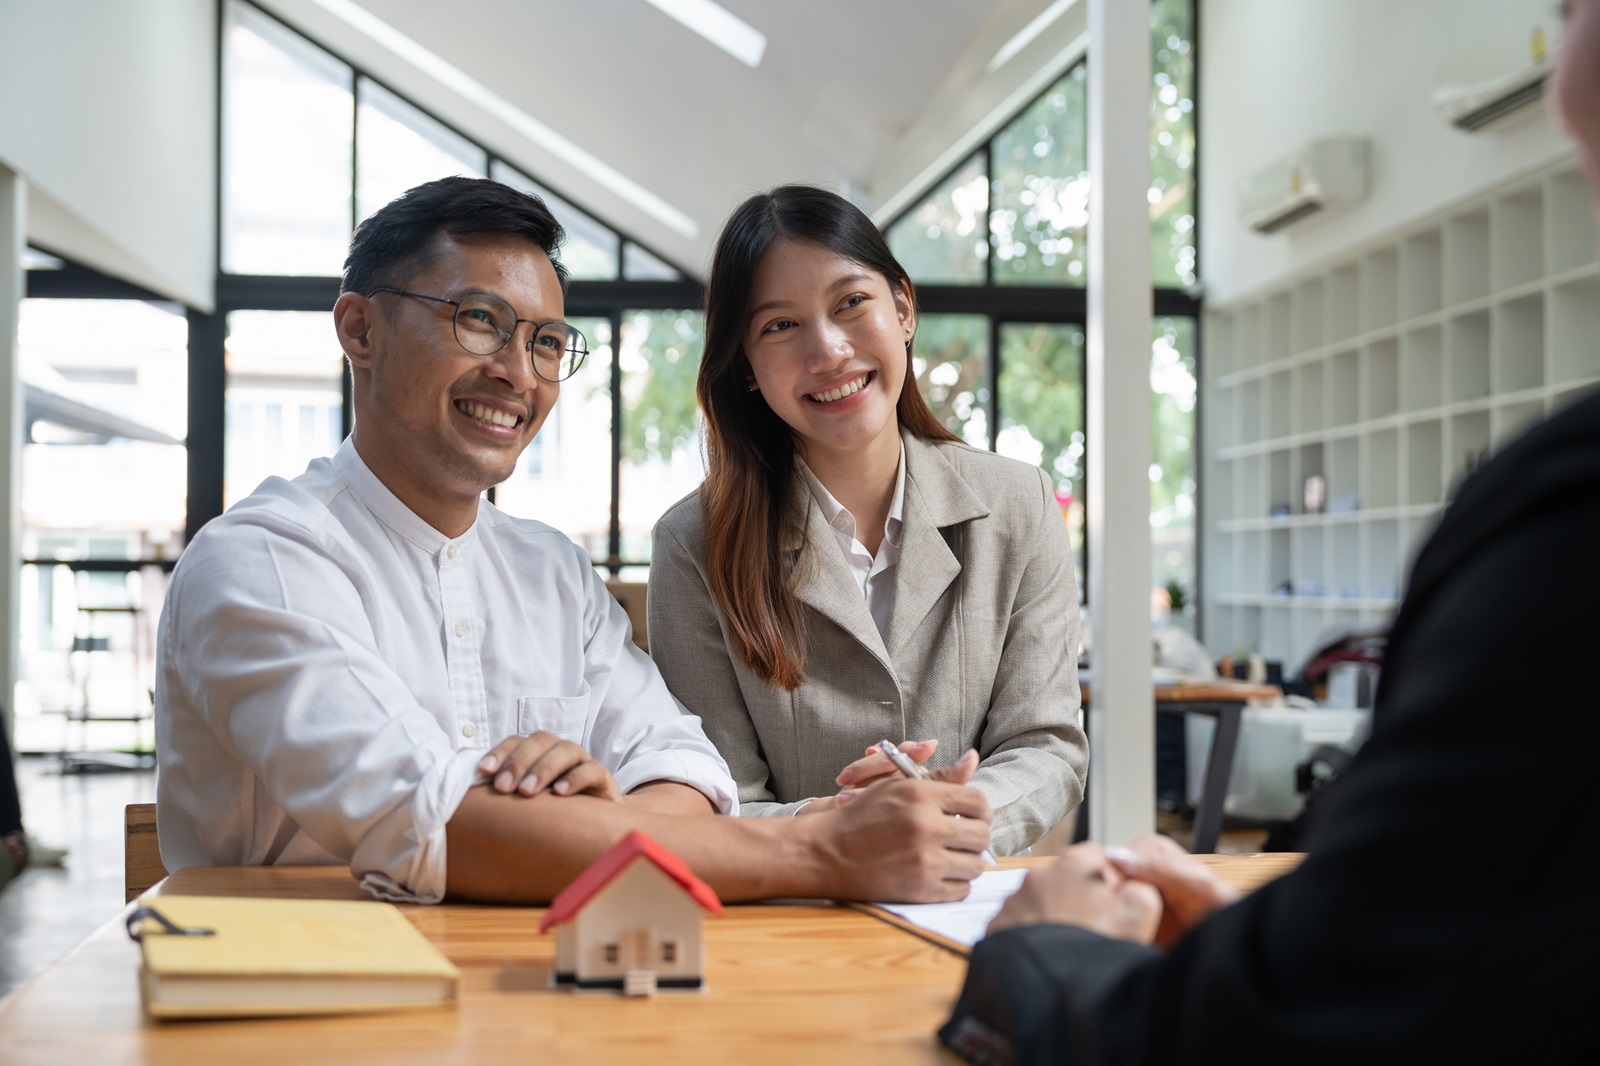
(601, 872)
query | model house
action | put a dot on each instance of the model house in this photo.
(634, 920)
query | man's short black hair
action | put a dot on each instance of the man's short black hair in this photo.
(399, 240)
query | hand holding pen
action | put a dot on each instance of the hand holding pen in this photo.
(912, 769)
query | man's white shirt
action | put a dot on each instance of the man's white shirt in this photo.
(331, 668)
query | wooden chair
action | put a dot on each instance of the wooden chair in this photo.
(631, 594)
(141, 849)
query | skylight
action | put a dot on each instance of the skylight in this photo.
(718, 25)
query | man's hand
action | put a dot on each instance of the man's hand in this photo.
(542, 761)
(1083, 888)
(1189, 890)
(905, 840)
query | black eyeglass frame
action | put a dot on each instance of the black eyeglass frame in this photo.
(574, 335)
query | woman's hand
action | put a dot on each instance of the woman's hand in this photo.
(876, 765)
(542, 761)
(1189, 890)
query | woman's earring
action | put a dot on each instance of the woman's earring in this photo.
(752, 387)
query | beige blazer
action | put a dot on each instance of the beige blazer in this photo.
(981, 650)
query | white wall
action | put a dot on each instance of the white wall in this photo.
(1275, 74)
(108, 110)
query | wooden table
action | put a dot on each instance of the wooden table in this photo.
(787, 983)
(1224, 700)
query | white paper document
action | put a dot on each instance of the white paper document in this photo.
(963, 922)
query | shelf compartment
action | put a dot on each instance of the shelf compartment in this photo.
(1424, 462)
(1280, 489)
(1252, 488)
(1422, 274)
(1344, 474)
(1383, 379)
(1380, 296)
(1278, 328)
(1570, 222)
(1280, 406)
(1308, 303)
(1221, 418)
(1343, 319)
(1252, 563)
(1220, 490)
(1575, 331)
(1519, 343)
(1345, 583)
(1250, 421)
(1247, 338)
(1469, 446)
(1310, 398)
(1280, 574)
(1383, 469)
(1383, 560)
(1466, 258)
(1424, 358)
(1309, 565)
(1344, 381)
(1519, 238)
(1311, 466)
(1511, 420)
(1467, 338)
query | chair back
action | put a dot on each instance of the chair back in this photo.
(141, 849)
(631, 594)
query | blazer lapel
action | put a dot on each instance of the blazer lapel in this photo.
(936, 497)
(826, 584)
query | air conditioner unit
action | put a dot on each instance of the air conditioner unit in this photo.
(1501, 73)
(1324, 174)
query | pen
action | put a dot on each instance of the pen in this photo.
(910, 768)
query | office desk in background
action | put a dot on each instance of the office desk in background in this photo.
(1223, 700)
(787, 983)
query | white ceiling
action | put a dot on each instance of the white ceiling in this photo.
(870, 96)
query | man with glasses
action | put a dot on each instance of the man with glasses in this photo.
(371, 665)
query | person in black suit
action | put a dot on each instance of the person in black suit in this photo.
(1447, 909)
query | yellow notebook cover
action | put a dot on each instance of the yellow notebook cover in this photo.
(288, 956)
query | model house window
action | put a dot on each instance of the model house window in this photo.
(613, 953)
(669, 952)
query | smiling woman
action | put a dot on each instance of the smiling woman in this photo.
(850, 570)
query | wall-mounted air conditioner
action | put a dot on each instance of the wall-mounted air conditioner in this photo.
(1323, 174)
(1502, 72)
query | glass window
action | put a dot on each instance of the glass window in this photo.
(1172, 456)
(283, 396)
(398, 147)
(1172, 144)
(104, 469)
(564, 478)
(951, 361)
(941, 240)
(1040, 189)
(640, 265)
(288, 120)
(591, 248)
(1041, 410)
(661, 460)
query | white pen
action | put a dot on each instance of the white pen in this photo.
(911, 768)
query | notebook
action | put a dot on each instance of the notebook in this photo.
(285, 956)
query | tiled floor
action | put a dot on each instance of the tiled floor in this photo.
(47, 911)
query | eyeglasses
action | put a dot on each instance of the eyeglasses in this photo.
(484, 324)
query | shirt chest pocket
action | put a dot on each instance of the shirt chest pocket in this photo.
(566, 717)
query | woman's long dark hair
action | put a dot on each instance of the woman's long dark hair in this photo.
(745, 498)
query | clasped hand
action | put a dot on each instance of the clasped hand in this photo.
(1151, 892)
(539, 762)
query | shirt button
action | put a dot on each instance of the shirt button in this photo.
(450, 552)
(461, 629)
(469, 730)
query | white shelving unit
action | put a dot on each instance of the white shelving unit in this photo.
(1390, 374)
